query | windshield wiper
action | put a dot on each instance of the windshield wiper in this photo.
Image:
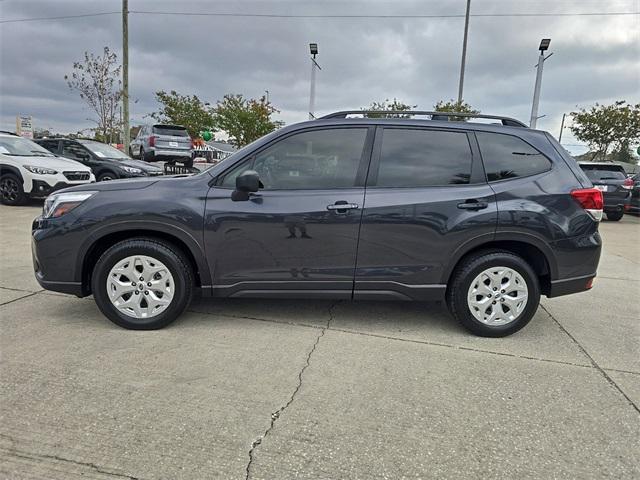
(609, 178)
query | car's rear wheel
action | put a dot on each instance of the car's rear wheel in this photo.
(493, 293)
(11, 191)
(615, 216)
(142, 284)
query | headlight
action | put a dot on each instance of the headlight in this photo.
(40, 170)
(58, 204)
(131, 169)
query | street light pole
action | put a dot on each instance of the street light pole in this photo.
(464, 52)
(544, 45)
(561, 128)
(313, 48)
(125, 75)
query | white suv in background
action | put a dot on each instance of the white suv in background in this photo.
(28, 170)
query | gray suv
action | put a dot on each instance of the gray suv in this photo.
(169, 143)
(484, 217)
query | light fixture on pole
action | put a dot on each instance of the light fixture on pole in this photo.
(544, 46)
(313, 49)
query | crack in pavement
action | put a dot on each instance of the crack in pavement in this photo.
(408, 340)
(592, 360)
(19, 298)
(12, 450)
(276, 415)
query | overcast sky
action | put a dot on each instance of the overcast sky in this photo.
(417, 60)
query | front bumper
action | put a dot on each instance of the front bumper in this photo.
(41, 189)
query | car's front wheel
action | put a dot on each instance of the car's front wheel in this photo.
(493, 293)
(11, 191)
(142, 284)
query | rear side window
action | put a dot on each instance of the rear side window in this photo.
(603, 172)
(51, 145)
(170, 130)
(506, 156)
(422, 158)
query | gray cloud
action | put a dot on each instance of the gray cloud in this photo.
(363, 60)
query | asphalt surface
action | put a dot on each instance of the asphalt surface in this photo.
(319, 390)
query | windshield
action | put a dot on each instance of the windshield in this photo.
(600, 172)
(102, 150)
(22, 147)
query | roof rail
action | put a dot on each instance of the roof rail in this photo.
(506, 121)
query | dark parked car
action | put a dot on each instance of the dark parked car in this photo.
(485, 217)
(612, 180)
(169, 143)
(106, 162)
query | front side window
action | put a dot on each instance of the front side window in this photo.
(317, 159)
(506, 156)
(420, 158)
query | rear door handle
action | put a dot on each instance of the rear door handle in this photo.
(473, 205)
(342, 206)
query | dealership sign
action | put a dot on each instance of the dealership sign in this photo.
(24, 126)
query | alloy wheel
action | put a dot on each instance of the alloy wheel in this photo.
(140, 286)
(497, 296)
(9, 189)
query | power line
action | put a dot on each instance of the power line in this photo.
(63, 17)
(273, 15)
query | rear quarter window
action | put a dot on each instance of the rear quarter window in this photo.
(505, 156)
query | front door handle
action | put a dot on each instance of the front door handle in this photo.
(342, 207)
(473, 205)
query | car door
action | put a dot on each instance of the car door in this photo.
(299, 233)
(426, 200)
(77, 152)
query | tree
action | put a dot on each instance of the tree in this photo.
(604, 127)
(97, 80)
(185, 110)
(245, 120)
(455, 106)
(389, 106)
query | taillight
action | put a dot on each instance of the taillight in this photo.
(627, 184)
(152, 141)
(591, 200)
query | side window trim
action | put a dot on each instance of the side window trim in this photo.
(363, 166)
(372, 178)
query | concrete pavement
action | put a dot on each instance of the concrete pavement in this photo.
(332, 390)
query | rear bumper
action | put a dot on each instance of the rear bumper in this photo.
(160, 153)
(567, 286)
(616, 203)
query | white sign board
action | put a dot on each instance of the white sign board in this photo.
(24, 126)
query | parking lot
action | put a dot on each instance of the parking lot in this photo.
(324, 390)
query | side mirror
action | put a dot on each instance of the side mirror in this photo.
(246, 183)
(85, 157)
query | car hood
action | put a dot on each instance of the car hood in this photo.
(55, 163)
(144, 166)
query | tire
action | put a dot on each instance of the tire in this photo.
(188, 163)
(11, 190)
(175, 271)
(474, 267)
(143, 155)
(615, 216)
(131, 153)
(107, 176)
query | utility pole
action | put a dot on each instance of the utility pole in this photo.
(464, 52)
(313, 48)
(561, 128)
(544, 45)
(125, 75)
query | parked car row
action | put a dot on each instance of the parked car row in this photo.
(611, 179)
(35, 169)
